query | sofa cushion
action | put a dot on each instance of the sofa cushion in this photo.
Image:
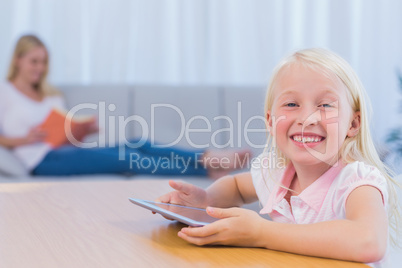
(10, 165)
(245, 108)
(178, 116)
(107, 103)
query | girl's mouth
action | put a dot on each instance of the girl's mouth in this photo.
(307, 140)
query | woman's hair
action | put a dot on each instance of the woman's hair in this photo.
(25, 44)
(357, 148)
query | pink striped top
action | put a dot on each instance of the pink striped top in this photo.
(323, 200)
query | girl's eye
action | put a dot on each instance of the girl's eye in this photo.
(291, 105)
(326, 105)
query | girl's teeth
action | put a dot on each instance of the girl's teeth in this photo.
(306, 139)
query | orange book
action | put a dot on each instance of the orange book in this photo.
(57, 126)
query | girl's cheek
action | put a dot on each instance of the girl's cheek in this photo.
(330, 123)
(330, 117)
(282, 127)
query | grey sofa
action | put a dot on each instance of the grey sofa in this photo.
(186, 116)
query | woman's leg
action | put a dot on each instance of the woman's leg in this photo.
(149, 148)
(174, 161)
(70, 160)
(217, 162)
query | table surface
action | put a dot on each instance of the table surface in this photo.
(92, 224)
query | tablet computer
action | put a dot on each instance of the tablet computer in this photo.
(187, 215)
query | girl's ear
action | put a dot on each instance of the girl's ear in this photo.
(354, 126)
(269, 121)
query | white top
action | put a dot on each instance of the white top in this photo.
(323, 200)
(19, 114)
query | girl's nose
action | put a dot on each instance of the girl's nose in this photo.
(309, 117)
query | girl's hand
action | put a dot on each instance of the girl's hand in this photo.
(237, 227)
(186, 195)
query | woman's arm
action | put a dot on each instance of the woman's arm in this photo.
(362, 236)
(35, 135)
(11, 142)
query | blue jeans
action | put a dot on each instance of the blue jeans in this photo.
(146, 159)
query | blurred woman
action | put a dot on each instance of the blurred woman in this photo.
(26, 101)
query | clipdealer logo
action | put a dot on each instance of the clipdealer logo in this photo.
(235, 131)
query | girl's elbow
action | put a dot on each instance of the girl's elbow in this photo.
(371, 250)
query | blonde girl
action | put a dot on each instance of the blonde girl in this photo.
(328, 195)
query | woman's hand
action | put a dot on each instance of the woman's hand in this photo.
(237, 227)
(92, 126)
(186, 195)
(86, 128)
(82, 129)
(34, 135)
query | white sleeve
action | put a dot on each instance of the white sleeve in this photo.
(264, 176)
(355, 175)
(59, 102)
(3, 103)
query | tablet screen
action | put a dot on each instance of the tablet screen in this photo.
(196, 214)
(189, 215)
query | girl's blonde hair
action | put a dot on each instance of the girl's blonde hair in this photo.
(25, 44)
(357, 148)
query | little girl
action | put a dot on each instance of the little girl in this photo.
(327, 176)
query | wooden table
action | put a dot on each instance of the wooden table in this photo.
(92, 224)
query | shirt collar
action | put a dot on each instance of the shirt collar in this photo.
(313, 195)
(278, 192)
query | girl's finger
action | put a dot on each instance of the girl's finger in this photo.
(181, 186)
(164, 198)
(200, 241)
(222, 213)
(204, 231)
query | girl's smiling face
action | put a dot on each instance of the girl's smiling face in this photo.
(310, 115)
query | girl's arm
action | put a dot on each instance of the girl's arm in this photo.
(362, 236)
(226, 192)
(232, 191)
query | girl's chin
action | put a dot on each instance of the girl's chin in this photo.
(310, 159)
(306, 160)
